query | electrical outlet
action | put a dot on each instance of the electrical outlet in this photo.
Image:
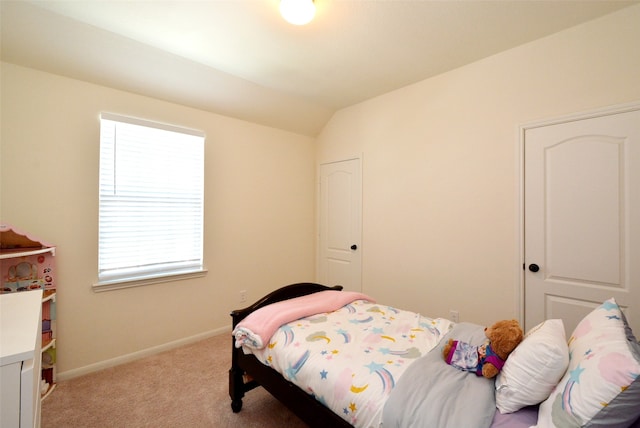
(243, 296)
(454, 315)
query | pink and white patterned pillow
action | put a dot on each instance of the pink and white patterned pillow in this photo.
(602, 384)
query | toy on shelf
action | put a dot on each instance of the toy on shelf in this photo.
(26, 263)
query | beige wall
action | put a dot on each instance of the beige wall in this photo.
(259, 214)
(441, 164)
(440, 189)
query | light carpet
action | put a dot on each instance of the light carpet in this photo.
(184, 387)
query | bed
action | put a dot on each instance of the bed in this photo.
(403, 380)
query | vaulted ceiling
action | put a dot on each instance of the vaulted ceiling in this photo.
(241, 59)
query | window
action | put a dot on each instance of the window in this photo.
(151, 202)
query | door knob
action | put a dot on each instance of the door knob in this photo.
(534, 267)
(354, 247)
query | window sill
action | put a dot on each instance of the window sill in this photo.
(117, 284)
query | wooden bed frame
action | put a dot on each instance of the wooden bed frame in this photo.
(247, 372)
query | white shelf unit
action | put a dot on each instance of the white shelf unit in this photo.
(27, 264)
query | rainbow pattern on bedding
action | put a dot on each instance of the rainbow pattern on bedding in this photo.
(351, 359)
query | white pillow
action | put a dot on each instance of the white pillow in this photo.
(534, 368)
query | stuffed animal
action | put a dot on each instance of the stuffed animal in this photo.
(487, 359)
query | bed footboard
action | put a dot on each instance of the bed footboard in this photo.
(247, 372)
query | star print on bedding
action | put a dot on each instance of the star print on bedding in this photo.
(601, 386)
(351, 359)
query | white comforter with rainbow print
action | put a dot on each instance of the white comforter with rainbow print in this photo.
(350, 359)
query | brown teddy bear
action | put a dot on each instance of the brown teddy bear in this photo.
(487, 359)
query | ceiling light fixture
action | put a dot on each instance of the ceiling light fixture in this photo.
(297, 12)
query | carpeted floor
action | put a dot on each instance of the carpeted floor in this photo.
(185, 387)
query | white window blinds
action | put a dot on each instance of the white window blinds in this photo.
(151, 200)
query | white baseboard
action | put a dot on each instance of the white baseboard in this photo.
(70, 374)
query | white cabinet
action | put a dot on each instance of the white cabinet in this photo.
(20, 359)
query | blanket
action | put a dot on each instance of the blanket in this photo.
(351, 359)
(257, 328)
(432, 393)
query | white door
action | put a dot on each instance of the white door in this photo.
(340, 225)
(582, 218)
